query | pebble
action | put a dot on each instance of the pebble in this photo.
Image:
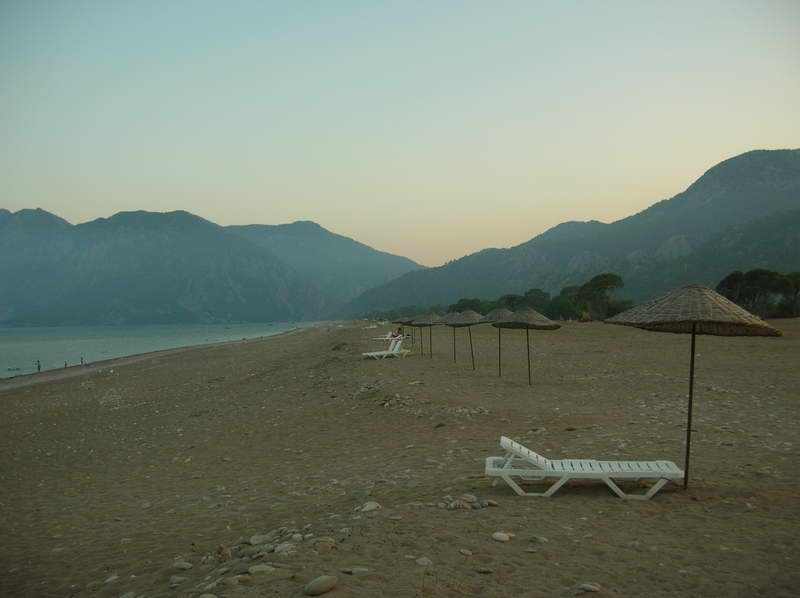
(260, 569)
(484, 570)
(370, 506)
(260, 539)
(182, 565)
(355, 570)
(465, 552)
(501, 537)
(589, 587)
(176, 580)
(285, 547)
(320, 585)
(424, 561)
(111, 578)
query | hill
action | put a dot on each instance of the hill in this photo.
(697, 236)
(341, 267)
(154, 268)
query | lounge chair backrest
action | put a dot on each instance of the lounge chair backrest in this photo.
(394, 346)
(524, 452)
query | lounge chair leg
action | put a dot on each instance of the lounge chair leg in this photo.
(646, 496)
(549, 492)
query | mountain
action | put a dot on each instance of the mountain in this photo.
(147, 268)
(341, 267)
(688, 238)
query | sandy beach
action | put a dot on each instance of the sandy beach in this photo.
(243, 469)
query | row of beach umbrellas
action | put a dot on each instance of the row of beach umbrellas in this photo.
(527, 319)
(693, 309)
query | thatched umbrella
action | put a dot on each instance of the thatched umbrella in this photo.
(449, 317)
(428, 321)
(694, 309)
(405, 321)
(466, 319)
(492, 317)
(528, 319)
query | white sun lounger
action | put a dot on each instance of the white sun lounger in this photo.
(395, 350)
(520, 461)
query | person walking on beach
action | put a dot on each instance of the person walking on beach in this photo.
(38, 366)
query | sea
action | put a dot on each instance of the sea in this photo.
(55, 347)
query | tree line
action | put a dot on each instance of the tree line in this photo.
(588, 301)
(765, 293)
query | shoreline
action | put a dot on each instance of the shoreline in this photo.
(24, 380)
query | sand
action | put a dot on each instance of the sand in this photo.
(109, 477)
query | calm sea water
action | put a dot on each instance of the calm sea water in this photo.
(21, 347)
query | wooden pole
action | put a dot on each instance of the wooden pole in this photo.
(454, 344)
(689, 419)
(471, 352)
(528, 343)
(499, 352)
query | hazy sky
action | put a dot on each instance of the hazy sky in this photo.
(429, 129)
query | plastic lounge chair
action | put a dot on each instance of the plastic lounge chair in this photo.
(395, 350)
(522, 462)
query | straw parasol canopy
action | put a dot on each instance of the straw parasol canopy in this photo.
(405, 321)
(526, 318)
(694, 310)
(427, 321)
(463, 319)
(694, 307)
(496, 314)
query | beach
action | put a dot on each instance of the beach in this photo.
(252, 468)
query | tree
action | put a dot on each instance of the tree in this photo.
(563, 307)
(511, 301)
(537, 299)
(758, 290)
(593, 296)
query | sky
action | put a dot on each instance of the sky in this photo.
(429, 129)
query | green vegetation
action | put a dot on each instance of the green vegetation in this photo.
(589, 301)
(766, 293)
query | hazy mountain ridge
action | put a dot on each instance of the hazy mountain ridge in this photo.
(668, 237)
(341, 266)
(144, 267)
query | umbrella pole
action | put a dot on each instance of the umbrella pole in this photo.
(421, 344)
(430, 340)
(454, 344)
(689, 419)
(471, 352)
(499, 352)
(528, 343)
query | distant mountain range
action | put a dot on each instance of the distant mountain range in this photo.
(143, 267)
(743, 213)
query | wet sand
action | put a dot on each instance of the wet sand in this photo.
(109, 477)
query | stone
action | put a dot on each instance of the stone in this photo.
(285, 547)
(320, 585)
(465, 552)
(589, 587)
(484, 570)
(370, 506)
(260, 539)
(424, 561)
(469, 498)
(176, 580)
(501, 537)
(255, 569)
(182, 565)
